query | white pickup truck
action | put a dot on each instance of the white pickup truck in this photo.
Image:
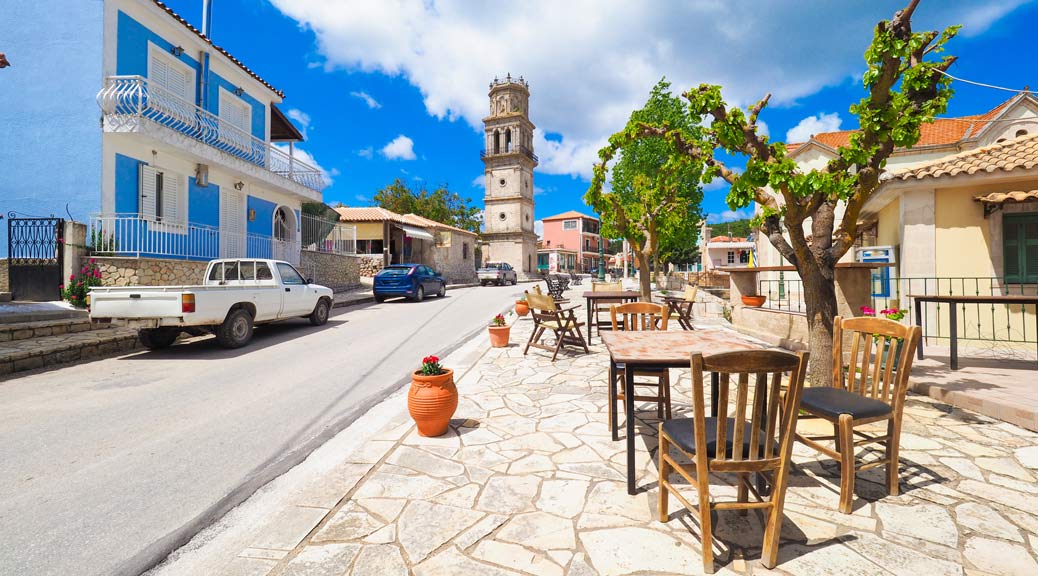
(236, 295)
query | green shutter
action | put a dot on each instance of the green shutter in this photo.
(1020, 247)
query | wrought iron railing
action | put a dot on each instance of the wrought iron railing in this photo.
(785, 294)
(132, 236)
(511, 150)
(127, 100)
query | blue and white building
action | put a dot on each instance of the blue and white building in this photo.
(193, 159)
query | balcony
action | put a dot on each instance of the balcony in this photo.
(512, 150)
(129, 102)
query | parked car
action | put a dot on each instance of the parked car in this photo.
(497, 273)
(412, 281)
(235, 295)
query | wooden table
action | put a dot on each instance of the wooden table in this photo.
(631, 351)
(613, 296)
(953, 314)
(682, 308)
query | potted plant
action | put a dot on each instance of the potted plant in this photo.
(895, 314)
(499, 332)
(753, 301)
(522, 308)
(433, 398)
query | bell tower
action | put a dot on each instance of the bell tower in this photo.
(509, 162)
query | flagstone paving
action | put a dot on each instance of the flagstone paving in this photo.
(528, 481)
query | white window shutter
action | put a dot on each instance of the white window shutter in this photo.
(172, 201)
(232, 224)
(148, 191)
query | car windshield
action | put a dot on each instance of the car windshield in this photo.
(493, 266)
(395, 271)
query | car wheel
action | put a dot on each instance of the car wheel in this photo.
(319, 317)
(157, 338)
(380, 299)
(419, 294)
(443, 290)
(236, 330)
(515, 280)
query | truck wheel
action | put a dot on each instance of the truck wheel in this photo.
(157, 338)
(319, 317)
(236, 330)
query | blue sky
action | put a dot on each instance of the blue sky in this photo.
(391, 89)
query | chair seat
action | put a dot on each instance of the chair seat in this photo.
(832, 402)
(682, 433)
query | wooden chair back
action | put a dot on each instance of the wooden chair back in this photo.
(868, 372)
(541, 303)
(606, 286)
(763, 409)
(690, 293)
(639, 316)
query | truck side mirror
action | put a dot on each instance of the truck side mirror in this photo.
(309, 280)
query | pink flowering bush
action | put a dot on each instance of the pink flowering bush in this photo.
(75, 292)
(894, 313)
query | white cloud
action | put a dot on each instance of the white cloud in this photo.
(400, 148)
(979, 17)
(591, 62)
(366, 152)
(762, 128)
(302, 120)
(479, 181)
(305, 157)
(538, 227)
(729, 215)
(371, 102)
(811, 125)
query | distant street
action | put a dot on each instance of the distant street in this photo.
(106, 465)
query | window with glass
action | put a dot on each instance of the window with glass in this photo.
(289, 275)
(1020, 247)
(731, 257)
(569, 224)
(744, 257)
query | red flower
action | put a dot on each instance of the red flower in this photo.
(71, 276)
(430, 360)
(92, 260)
(61, 286)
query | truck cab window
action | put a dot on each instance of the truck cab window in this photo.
(263, 271)
(289, 276)
(216, 273)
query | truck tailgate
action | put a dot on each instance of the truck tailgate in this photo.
(130, 303)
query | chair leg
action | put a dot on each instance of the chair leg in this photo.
(558, 344)
(664, 467)
(846, 448)
(742, 492)
(533, 338)
(772, 533)
(893, 447)
(666, 388)
(704, 522)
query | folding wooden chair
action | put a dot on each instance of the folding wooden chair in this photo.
(642, 316)
(757, 437)
(865, 393)
(562, 322)
(681, 307)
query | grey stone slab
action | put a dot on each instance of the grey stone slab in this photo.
(285, 530)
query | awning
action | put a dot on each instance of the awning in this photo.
(413, 232)
(995, 200)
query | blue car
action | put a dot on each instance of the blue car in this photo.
(413, 281)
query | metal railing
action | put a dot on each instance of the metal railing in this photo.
(329, 236)
(132, 236)
(127, 100)
(785, 294)
(511, 150)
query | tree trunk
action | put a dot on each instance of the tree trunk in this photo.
(820, 298)
(644, 275)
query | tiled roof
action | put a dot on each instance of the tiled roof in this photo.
(1005, 156)
(570, 214)
(378, 214)
(188, 25)
(727, 239)
(940, 131)
(1002, 197)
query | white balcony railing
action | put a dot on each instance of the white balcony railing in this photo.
(321, 235)
(132, 236)
(126, 100)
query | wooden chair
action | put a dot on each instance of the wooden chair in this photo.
(562, 322)
(681, 307)
(757, 437)
(597, 306)
(642, 316)
(864, 393)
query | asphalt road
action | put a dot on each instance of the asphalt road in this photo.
(106, 467)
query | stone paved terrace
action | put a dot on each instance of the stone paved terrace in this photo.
(527, 481)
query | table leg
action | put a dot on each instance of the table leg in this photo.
(953, 325)
(629, 404)
(590, 328)
(715, 385)
(919, 322)
(613, 425)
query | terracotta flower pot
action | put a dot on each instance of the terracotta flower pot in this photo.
(432, 401)
(522, 308)
(499, 336)
(753, 301)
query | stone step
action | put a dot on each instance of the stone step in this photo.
(24, 330)
(5, 297)
(49, 351)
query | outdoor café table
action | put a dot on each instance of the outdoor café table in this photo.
(953, 314)
(682, 309)
(620, 296)
(631, 351)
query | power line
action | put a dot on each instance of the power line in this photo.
(983, 85)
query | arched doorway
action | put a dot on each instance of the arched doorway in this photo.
(285, 243)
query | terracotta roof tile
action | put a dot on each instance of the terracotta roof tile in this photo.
(378, 214)
(1002, 197)
(188, 25)
(570, 214)
(1005, 156)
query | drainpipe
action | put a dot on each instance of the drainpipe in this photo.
(203, 56)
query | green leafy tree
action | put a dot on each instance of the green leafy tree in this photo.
(655, 193)
(441, 205)
(811, 215)
(738, 228)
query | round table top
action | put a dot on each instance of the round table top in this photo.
(612, 294)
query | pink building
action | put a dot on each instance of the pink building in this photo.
(573, 238)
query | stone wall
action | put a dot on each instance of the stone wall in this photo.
(339, 272)
(150, 272)
(456, 263)
(5, 281)
(370, 265)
